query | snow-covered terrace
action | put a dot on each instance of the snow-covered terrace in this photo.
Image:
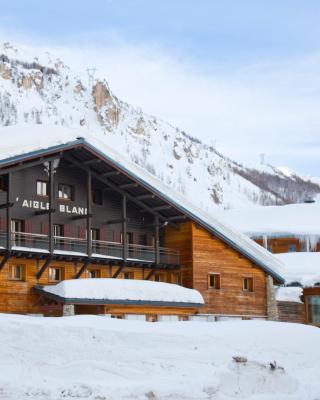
(122, 291)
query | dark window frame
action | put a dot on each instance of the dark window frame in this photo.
(66, 185)
(46, 185)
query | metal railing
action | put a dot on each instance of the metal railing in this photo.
(99, 247)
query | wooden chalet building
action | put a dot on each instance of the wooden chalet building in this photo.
(74, 209)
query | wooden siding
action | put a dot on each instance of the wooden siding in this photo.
(201, 254)
(18, 297)
(289, 311)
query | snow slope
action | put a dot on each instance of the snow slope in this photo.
(43, 90)
(97, 358)
(124, 289)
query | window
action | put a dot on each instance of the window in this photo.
(3, 183)
(42, 188)
(143, 239)
(214, 281)
(95, 234)
(96, 196)
(247, 284)
(93, 273)
(313, 304)
(65, 192)
(58, 230)
(117, 316)
(292, 248)
(55, 274)
(128, 275)
(129, 238)
(270, 249)
(16, 272)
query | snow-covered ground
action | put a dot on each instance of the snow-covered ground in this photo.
(92, 357)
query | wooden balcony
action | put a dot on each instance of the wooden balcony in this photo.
(38, 243)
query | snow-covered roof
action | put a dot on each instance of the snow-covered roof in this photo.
(27, 140)
(303, 268)
(293, 219)
(124, 291)
(290, 294)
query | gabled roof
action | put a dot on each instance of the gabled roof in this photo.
(24, 143)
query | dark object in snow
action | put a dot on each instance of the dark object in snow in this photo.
(239, 359)
(274, 366)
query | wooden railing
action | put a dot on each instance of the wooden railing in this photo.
(69, 245)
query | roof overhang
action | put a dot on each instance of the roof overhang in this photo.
(80, 142)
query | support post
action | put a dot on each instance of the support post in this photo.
(156, 240)
(89, 215)
(124, 228)
(8, 213)
(51, 210)
(272, 308)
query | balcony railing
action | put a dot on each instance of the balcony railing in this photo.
(100, 248)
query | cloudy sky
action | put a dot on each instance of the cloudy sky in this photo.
(242, 74)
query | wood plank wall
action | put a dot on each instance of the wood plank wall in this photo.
(201, 254)
(18, 297)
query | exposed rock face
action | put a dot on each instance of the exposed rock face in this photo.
(43, 90)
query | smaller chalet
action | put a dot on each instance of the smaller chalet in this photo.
(119, 298)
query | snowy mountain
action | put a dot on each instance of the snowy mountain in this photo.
(39, 89)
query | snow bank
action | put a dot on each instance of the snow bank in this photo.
(292, 219)
(301, 267)
(91, 357)
(37, 137)
(124, 289)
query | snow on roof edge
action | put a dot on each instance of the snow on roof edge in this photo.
(63, 137)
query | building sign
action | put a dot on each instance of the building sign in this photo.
(63, 208)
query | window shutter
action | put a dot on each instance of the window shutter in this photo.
(81, 232)
(28, 226)
(103, 234)
(44, 228)
(67, 231)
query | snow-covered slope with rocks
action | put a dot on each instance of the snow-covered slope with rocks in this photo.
(43, 90)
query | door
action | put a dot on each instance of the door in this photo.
(17, 230)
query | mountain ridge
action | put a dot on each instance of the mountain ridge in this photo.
(43, 90)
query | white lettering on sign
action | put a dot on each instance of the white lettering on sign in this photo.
(63, 208)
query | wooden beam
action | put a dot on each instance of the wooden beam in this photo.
(89, 213)
(108, 174)
(82, 269)
(5, 258)
(118, 272)
(114, 221)
(150, 274)
(42, 212)
(128, 185)
(93, 161)
(51, 209)
(8, 213)
(6, 205)
(124, 228)
(44, 267)
(159, 208)
(117, 189)
(156, 240)
(145, 196)
(75, 217)
(177, 218)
